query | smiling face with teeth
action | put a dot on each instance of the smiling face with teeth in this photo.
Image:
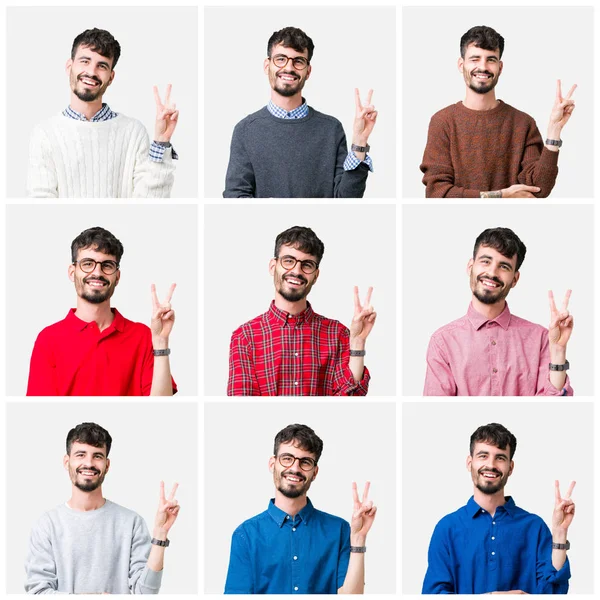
(90, 74)
(95, 287)
(490, 468)
(293, 285)
(292, 482)
(286, 81)
(480, 68)
(492, 275)
(87, 466)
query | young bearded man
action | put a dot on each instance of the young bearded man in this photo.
(90, 151)
(292, 351)
(90, 545)
(491, 546)
(95, 351)
(293, 548)
(491, 352)
(288, 149)
(482, 147)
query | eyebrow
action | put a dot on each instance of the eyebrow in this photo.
(502, 454)
(502, 262)
(100, 62)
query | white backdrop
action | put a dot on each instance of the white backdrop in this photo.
(360, 250)
(152, 441)
(532, 64)
(359, 444)
(347, 55)
(160, 243)
(39, 43)
(553, 442)
(437, 244)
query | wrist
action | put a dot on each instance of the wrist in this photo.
(558, 355)
(159, 534)
(160, 343)
(559, 536)
(360, 140)
(357, 343)
(358, 540)
(554, 132)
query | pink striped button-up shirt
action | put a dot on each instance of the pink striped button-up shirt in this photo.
(505, 356)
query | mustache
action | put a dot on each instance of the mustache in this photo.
(494, 279)
(92, 77)
(102, 279)
(299, 277)
(92, 469)
(476, 72)
(293, 73)
(294, 473)
(495, 471)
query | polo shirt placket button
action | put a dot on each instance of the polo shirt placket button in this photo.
(296, 588)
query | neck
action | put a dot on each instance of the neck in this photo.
(489, 311)
(89, 109)
(288, 103)
(86, 501)
(489, 502)
(290, 506)
(476, 101)
(100, 313)
(294, 308)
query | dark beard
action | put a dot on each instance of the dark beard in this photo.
(484, 89)
(89, 486)
(293, 295)
(87, 95)
(488, 298)
(98, 298)
(291, 493)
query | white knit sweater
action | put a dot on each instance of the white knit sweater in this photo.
(108, 159)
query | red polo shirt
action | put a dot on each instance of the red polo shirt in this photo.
(75, 358)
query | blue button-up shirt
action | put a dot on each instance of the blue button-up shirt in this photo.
(274, 553)
(473, 552)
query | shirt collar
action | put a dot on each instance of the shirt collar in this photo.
(76, 323)
(104, 114)
(281, 517)
(478, 320)
(283, 318)
(298, 113)
(473, 509)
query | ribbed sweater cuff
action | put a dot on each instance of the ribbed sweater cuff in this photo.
(549, 158)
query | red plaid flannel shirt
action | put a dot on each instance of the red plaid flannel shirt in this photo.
(278, 354)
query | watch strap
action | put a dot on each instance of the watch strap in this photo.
(163, 543)
(356, 148)
(358, 549)
(358, 352)
(164, 352)
(566, 546)
(550, 142)
(163, 144)
(564, 367)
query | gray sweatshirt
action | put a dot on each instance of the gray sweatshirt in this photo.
(103, 550)
(291, 158)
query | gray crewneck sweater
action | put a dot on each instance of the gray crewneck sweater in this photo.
(291, 158)
(103, 550)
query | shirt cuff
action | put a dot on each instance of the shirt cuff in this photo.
(566, 390)
(157, 152)
(352, 162)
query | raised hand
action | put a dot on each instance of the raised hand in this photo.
(168, 509)
(561, 322)
(564, 509)
(166, 116)
(163, 316)
(364, 317)
(363, 515)
(563, 107)
(364, 119)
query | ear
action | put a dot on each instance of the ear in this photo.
(118, 277)
(470, 266)
(272, 264)
(112, 76)
(266, 65)
(308, 71)
(68, 66)
(271, 463)
(107, 465)
(315, 472)
(501, 66)
(460, 64)
(66, 462)
(512, 466)
(514, 282)
(316, 276)
(71, 272)
(469, 462)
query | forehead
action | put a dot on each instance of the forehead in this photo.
(286, 250)
(291, 448)
(473, 50)
(489, 449)
(92, 252)
(289, 52)
(495, 255)
(87, 449)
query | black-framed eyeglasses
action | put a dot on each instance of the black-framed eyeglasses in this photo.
(87, 265)
(281, 60)
(289, 262)
(306, 463)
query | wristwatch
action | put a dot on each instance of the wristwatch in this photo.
(559, 367)
(162, 352)
(358, 352)
(356, 148)
(168, 144)
(550, 142)
(566, 546)
(358, 549)
(163, 543)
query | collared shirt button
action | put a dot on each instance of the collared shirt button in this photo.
(287, 517)
(295, 383)
(296, 589)
(482, 510)
(294, 529)
(295, 558)
(493, 538)
(494, 370)
(493, 553)
(493, 522)
(493, 342)
(295, 354)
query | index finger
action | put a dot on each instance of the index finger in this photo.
(162, 490)
(557, 491)
(570, 490)
(154, 296)
(565, 303)
(355, 497)
(368, 298)
(551, 300)
(168, 95)
(357, 98)
(170, 294)
(559, 90)
(366, 492)
(571, 91)
(369, 96)
(157, 97)
(356, 298)
(172, 494)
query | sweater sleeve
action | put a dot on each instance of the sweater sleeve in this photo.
(42, 180)
(438, 172)
(352, 183)
(142, 580)
(40, 566)
(152, 179)
(539, 166)
(239, 181)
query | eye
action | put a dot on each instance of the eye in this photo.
(305, 463)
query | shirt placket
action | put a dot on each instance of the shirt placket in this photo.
(295, 556)
(495, 387)
(295, 355)
(491, 549)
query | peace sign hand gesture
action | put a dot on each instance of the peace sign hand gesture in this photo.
(163, 318)
(561, 323)
(363, 516)
(564, 509)
(363, 319)
(166, 116)
(168, 509)
(562, 109)
(364, 119)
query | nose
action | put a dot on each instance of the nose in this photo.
(97, 269)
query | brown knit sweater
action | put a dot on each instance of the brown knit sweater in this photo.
(471, 151)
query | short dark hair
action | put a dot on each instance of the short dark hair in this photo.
(291, 37)
(91, 434)
(495, 435)
(301, 238)
(482, 37)
(303, 436)
(100, 41)
(504, 240)
(100, 240)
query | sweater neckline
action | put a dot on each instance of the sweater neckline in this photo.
(77, 123)
(494, 111)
